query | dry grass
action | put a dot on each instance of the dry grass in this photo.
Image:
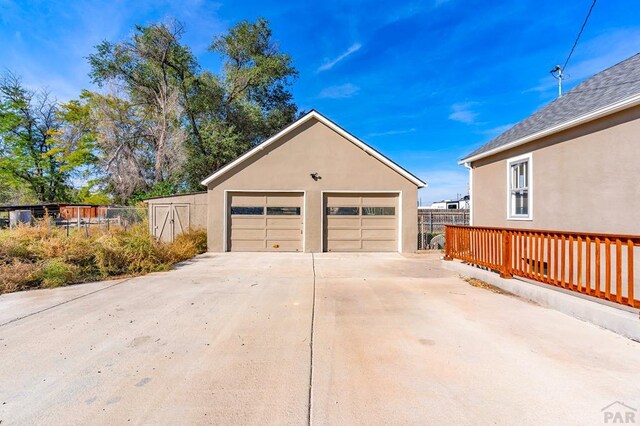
(44, 256)
(481, 284)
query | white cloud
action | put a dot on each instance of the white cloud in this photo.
(331, 63)
(391, 132)
(338, 92)
(462, 112)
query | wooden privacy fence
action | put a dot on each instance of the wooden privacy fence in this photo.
(599, 265)
(433, 221)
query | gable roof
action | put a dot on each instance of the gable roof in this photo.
(313, 114)
(609, 91)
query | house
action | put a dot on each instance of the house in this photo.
(571, 166)
(555, 199)
(461, 203)
(312, 187)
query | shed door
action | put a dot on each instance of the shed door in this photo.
(169, 221)
(360, 222)
(265, 221)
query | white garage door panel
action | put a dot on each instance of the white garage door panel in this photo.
(379, 234)
(367, 222)
(283, 234)
(284, 201)
(248, 234)
(283, 222)
(264, 227)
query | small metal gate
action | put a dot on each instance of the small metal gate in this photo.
(169, 221)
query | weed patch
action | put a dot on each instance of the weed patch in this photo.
(45, 256)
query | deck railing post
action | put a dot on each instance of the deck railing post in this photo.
(506, 255)
(524, 253)
(448, 242)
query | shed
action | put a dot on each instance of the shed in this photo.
(172, 215)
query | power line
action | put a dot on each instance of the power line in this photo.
(584, 24)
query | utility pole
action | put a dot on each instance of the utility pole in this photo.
(556, 72)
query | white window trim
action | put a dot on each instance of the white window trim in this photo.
(528, 157)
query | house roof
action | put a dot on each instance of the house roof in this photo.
(609, 91)
(321, 118)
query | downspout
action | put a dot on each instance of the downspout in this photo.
(470, 167)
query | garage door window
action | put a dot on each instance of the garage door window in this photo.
(283, 211)
(247, 210)
(378, 211)
(343, 211)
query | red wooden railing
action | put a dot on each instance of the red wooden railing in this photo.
(599, 265)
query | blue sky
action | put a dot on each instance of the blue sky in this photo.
(423, 82)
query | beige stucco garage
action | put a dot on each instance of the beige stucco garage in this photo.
(313, 187)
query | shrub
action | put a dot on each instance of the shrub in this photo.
(56, 272)
(186, 246)
(19, 275)
(43, 256)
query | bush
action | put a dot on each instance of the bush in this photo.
(17, 275)
(43, 256)
(57, 272)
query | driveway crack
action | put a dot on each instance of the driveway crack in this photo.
(313, 317)
(65, 302)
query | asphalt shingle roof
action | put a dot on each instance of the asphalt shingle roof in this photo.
(610, 86)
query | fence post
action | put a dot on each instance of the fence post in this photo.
(431, 222)
(447, 243)
(506, 255)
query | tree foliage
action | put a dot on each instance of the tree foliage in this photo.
(160, 124)
(247, 103)
(221, 116)
(34, 150)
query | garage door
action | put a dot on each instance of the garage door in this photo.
(361, 222)
(265, 222)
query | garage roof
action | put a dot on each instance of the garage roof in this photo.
(321, 118)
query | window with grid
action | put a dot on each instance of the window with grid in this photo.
(520, 189)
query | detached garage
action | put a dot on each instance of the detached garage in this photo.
(313, 187)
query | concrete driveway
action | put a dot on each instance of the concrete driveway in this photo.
(226, 339)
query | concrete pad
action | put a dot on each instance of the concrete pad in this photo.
(222, 340)
(428, 348)
(225, 339)
(21, 304)
(623, 320)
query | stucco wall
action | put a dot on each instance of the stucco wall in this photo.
(584, 179)
(197, 207)
(287, 165)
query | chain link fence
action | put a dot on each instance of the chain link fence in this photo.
(103, 218)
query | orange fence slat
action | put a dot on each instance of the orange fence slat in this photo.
(571, 260)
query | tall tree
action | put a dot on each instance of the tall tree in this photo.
(247, 103)
(33, 152)
(151, 69)
(194, 121)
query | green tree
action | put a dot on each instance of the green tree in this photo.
(152, 69)
(199, 121)
(34, 154)
(247, 103)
